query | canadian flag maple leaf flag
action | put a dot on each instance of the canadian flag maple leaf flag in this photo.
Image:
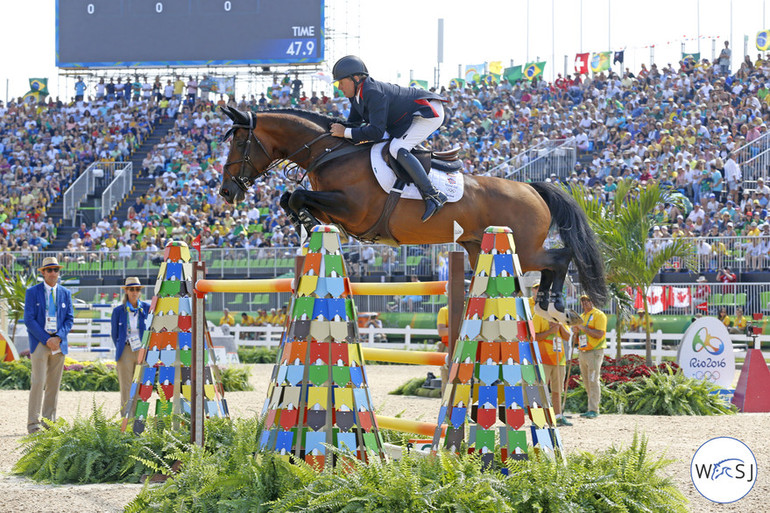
(656, 299)
(680, 297)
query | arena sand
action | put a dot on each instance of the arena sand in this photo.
(676, 438)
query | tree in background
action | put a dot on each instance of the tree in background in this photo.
(13, 289)
(623, 226)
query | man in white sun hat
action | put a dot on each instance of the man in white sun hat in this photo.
(48, 316)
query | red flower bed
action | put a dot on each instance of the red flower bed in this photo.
(621, 370)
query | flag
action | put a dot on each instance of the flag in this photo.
(496, 68)
(763, 40)
(600, 61)
(581, 63)
(703, 306)
(680, 297)
(419, 84)
(322, 76)
(512, 74)
(473, 72)
(196, 244)
(694, 57)
(490, 79)
(533, 70)
(457, 83)
(38, 89)
(657, 300)
(618, 57)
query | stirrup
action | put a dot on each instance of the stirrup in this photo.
(433, 203)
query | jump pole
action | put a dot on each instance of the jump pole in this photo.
(421, 288)
(197, 411)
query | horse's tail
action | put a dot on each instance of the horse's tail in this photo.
(577, 235)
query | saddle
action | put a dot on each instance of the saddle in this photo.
(444, 161)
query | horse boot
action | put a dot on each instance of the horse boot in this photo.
(556, 308)
(307, 219)
(434, 199)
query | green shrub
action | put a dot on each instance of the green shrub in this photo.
(15, 375)
(236, 379)
(661, 393)
(257, 355)
(96, 377)
(414, 387)
(612, 480)
(91, 450)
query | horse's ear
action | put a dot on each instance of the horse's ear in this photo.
(226, 110)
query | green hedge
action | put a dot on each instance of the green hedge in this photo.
(98, 377)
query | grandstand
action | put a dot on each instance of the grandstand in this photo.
(690, 127)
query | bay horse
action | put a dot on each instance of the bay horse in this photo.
(345, 192)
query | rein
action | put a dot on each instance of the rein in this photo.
(242, 180)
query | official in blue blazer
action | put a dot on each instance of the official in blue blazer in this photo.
(128, 326)
(48, 317)
(407, 114)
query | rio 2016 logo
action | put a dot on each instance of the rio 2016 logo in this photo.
(723, 470)
(703, 340)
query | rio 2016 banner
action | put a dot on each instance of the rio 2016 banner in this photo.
(706, 352)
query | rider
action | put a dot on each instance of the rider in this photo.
(409, 115)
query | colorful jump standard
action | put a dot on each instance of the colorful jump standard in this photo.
(318, 394)
(166, 357)
(495, 366)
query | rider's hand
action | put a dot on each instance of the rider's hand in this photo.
(337, 130)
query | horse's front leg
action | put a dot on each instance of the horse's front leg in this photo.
(290, 213)
(313, 205)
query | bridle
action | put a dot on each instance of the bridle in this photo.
(243, 180)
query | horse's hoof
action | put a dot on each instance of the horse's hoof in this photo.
(543, 313)
(556, 315)
(573, 318)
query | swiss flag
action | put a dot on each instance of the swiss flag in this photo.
(581, 63)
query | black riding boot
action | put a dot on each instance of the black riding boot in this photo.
(434, 199)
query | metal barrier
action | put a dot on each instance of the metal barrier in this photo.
(754, 159)
(556, 157)
(95, 176)
(119, 188)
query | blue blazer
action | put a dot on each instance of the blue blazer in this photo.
(387, 107)
(120, 325)
(35, 313)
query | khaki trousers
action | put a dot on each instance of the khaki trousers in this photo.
(554, 378)
(125, 368)
(46, 376)
(591, 370)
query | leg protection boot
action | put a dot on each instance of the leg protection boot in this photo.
(434, 199)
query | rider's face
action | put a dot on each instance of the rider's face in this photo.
(347, 87)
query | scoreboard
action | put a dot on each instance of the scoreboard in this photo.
(157, 33)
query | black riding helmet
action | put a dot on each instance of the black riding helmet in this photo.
(348, 66)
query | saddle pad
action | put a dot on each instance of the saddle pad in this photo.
(450, 184)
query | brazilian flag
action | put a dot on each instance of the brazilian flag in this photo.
(693, 57)
(513, 74)
(534, 70)
(600, 61)
(763, 40)
(38, 89)
(419, 84)
(490, 79)
(457, 83)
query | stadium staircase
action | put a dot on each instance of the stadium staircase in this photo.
(140, 185)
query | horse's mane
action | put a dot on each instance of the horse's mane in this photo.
(322, 120)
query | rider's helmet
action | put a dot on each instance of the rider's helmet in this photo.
(348, 66)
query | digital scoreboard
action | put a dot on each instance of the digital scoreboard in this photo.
(157, 33)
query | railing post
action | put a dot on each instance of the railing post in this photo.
(407, 337)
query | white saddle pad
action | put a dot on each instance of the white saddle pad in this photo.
(451, 184)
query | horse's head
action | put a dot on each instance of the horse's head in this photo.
(248, 158)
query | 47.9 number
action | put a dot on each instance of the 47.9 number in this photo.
(299, 48)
